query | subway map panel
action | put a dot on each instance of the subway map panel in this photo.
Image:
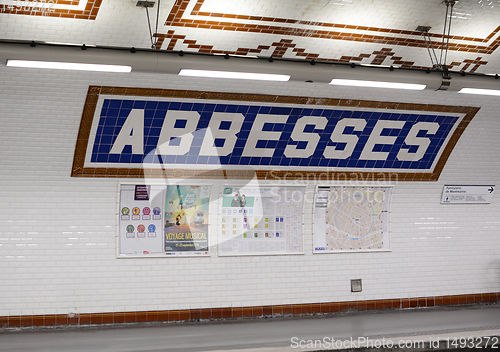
(352, 218)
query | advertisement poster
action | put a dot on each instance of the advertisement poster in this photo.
(140, 221)
(186, 220)
(261, 221)
(351, 219)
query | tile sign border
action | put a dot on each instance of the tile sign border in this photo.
(80, 170)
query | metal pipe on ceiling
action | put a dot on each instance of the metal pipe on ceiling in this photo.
(171, 62)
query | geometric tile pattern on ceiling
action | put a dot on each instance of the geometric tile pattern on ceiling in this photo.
(180, 17)
(376, 32)
(378, 57)
(78, 9)
(194, 14)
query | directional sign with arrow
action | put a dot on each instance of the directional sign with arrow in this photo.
(467, 194)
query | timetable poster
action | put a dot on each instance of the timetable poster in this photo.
(261, 221)
(186, 220)
(140, 225)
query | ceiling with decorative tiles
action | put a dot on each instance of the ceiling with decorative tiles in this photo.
(375, 32)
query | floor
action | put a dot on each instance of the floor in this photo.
(455, 327)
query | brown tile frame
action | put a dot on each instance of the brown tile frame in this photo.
(174, 18)
(79, 169)
(193, 315)
(89, 13)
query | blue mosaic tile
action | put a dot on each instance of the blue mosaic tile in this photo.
(114, 113)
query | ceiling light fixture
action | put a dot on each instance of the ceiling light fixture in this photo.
(234, 75)
(479, 91)
(377, 84)
(69, 66)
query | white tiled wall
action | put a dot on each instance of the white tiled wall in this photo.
(57, 234)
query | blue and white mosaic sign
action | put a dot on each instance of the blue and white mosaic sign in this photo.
(180, 133)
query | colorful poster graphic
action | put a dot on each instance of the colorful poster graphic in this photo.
(141, 192)
(351, 219)
(137, 235)
(261, 221)
(186, 220)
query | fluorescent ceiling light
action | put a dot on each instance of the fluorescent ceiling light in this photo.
(237, 75)
(376, 84)
(68, 66)
(479, 91)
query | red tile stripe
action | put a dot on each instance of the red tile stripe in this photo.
(193, 315)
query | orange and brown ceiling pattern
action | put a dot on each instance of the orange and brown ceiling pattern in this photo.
(53, 8)
(377, 32)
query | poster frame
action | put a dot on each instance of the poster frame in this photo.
(158, 182)
(260, 254)
(345, 184)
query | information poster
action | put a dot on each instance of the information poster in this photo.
(261, 221)
(351, 219)
(186, 220)
(140, 225)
